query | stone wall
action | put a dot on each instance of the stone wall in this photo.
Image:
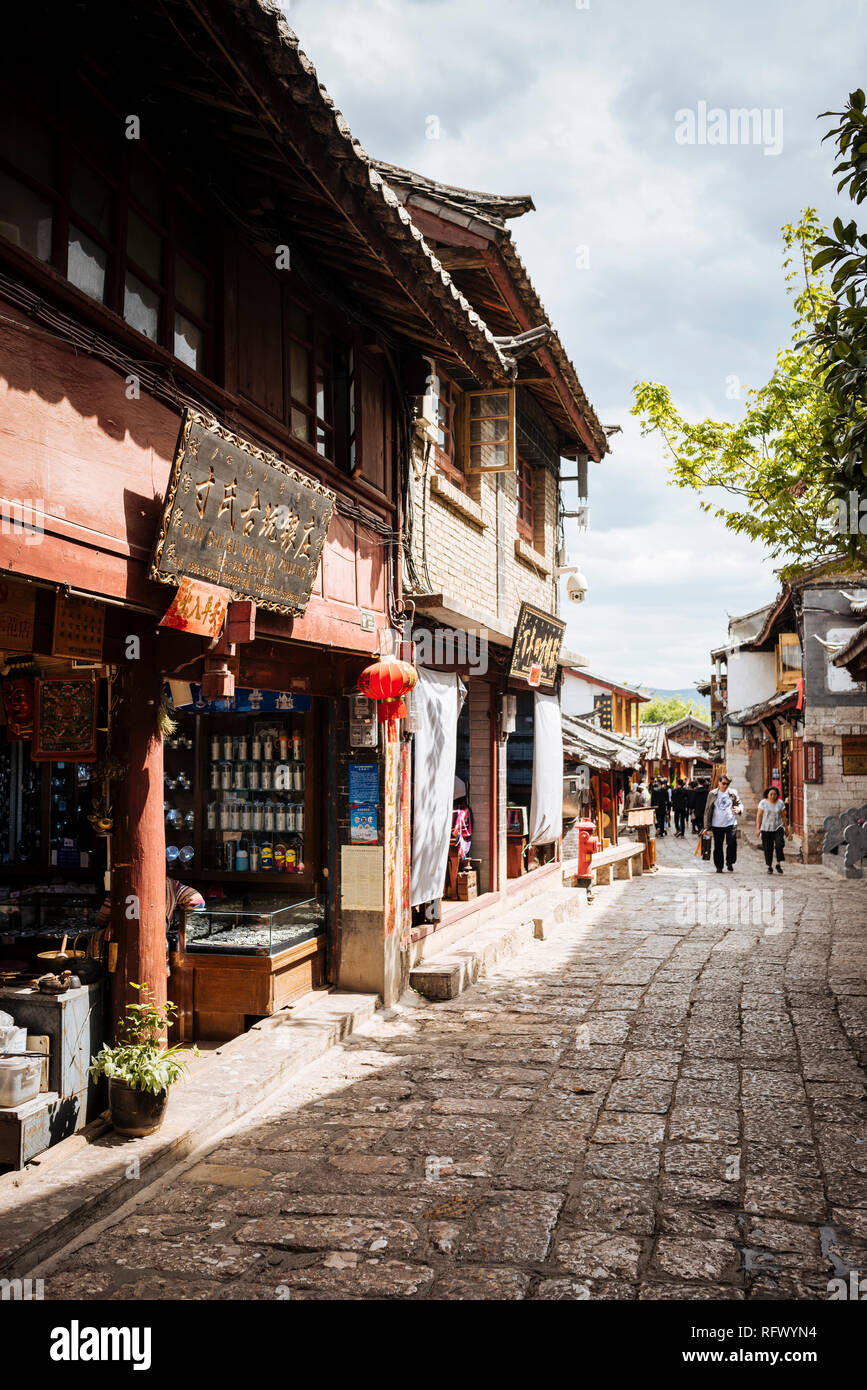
(836, 792)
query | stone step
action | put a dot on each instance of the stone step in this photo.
(448, 975)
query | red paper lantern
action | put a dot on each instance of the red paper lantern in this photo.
(387, 681)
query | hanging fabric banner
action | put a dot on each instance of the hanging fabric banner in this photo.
(436, 704)
(546, 805)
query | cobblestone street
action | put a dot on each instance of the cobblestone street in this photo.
(660, 1101)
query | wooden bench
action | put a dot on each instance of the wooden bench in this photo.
(618, 861)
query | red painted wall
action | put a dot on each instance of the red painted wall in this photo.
(90, 468)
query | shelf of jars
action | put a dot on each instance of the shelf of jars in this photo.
(255, 816)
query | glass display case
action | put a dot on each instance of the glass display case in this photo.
(262, 926)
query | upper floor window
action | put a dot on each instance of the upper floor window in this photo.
(445, 413)
(106, 217)
(789, 668)
(525, 477)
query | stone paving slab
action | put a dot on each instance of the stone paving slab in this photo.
(658, 1101)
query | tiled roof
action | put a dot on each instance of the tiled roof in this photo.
(494, 209)
(265, 22)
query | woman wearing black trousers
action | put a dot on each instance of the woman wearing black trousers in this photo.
(771, 827)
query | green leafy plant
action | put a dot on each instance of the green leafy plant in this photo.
(668, 710)
(764, 474)
(138, 1059)
(840, 337)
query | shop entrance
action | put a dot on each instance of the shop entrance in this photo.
(243, 809)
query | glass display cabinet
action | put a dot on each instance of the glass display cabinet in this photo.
(265, 928)
(241, 959)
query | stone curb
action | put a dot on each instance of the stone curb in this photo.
(42, 1210)
(448, 975)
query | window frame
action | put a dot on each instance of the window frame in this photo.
(511, 437)
(525, 499)
(68, 149)
(447, 460)
(788, 679)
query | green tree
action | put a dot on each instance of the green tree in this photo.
(667, 710)
(840, 340)
(779, 488)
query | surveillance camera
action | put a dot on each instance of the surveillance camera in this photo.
(577, 587)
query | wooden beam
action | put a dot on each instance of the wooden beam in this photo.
(293, 136)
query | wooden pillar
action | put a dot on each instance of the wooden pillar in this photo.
(138, 892)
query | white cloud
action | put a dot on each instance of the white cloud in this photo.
(577, 107)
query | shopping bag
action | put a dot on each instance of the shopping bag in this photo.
(706, 841)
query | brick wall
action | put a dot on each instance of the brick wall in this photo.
(836, 792)
(461, 549)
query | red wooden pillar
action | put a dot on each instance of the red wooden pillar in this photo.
(138, 891)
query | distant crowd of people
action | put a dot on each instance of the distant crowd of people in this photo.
(714, 811)
(680, 803)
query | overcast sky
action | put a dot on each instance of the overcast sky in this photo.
(655, 259)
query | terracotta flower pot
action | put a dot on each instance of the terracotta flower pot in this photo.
(135, 1113)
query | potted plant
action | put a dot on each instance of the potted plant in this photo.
(139, 1070)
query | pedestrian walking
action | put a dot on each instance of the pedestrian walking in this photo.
(701, 795)
(771, 828)
(720, 816)
(680, 808)
(659, 802)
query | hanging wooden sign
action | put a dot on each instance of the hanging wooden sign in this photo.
(812, 762)
(64, 726)
(79, 626)
(538, 639)
(17, 610)
(240, 518)
(197, 608)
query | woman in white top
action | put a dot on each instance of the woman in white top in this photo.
(771, 827)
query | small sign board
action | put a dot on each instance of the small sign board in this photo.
(812, 762)
(536, 648)
(602, 706)
(79, 626)
(197, 608)
(854, 751)
(17, 609)
(240, 518)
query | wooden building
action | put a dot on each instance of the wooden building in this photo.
(201, 270)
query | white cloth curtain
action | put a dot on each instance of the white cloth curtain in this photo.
(436, 704)
(546, 805)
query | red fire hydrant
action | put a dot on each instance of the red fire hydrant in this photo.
(587, 846)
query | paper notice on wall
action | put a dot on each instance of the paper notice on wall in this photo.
(362, 875)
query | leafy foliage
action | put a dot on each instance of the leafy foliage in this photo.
(139, 1058)
(668, 710)
(840, 341)
(767, 460)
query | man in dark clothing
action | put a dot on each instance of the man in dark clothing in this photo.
(680, 806)
(659, 802)
(690, 800)
(701, 795)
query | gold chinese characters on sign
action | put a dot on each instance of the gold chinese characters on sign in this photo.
(536, 648)
(79, 626)
(241, 519)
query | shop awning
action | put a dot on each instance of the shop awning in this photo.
(584, 742)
